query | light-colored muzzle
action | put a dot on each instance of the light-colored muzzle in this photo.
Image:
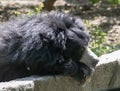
(89, 58)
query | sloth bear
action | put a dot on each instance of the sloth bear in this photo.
(45, 45)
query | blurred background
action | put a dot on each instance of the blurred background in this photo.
(101, 17)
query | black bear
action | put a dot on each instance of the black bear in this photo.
(45, 44)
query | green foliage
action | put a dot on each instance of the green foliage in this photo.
(37, 9)
(99, 39)
(116, 47)
(114, 1)
(117, 2)
(94, 1)
(30, 13)
(17, 13)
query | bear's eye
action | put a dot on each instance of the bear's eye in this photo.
(81, 28)
(81, 36)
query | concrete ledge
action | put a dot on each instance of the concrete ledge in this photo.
(17, 85)
(107, 75)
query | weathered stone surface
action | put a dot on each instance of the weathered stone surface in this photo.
(107, 75)
(17, 86)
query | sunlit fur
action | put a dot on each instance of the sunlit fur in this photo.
(44, 44)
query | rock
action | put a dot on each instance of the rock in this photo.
(17, 86)
(106, 75)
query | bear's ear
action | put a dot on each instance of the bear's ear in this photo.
(69, 22)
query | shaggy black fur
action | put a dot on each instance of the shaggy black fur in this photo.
(45, 44)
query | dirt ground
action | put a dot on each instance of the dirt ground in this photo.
(110, 25)
(108, 18)
(105, 16)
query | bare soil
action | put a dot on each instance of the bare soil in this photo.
(105, 16)
(108, 18)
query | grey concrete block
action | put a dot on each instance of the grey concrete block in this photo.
(107, 75)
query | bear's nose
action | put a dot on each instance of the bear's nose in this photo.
(95, 62)
(90, 58)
